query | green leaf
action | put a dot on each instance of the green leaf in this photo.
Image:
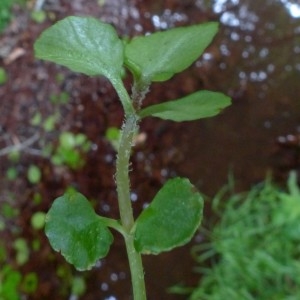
(38, 220)
(36, 119)
(49, 123)
(22, 251)
(67, 140)
(34, 174)
(171, 219)
(198, 105)
(157, 57)
(12, 173)
(84, 45)
(38, 16)
(3, 76)
(74, 229)
(10, 280)
(30, 283)
(78, 286)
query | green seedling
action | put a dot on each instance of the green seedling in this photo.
(70, 149)
(88, 46)
(22, 251)
(112, 134)
(8, 211)
(36, 198)
(11, 173)
(13, 285)
(5, 13)
(38, 16)
(38, 220)
(36, 119)
(49, 123)
(3, 76)
(9, 283)
(61, 98)
(78, 286)
(30, 283)
(34, 174)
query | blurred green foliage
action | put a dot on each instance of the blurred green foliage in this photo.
(70, 150)
(253, 250)
(3, 74)
(5, 13)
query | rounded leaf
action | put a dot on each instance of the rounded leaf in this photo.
(83, 44)
(158, 56)
(34, 174)
(74, 229)
(67, 140)
(38, 220)
(171, 219)
(199, 105)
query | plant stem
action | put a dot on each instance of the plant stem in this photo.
(113, 224)
(136, 269)
(122, 172)
(124, 97)
(129, 130)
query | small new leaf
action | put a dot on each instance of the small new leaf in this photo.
(74, 229)
(84, 45)
(158, 56)
(171, 219)
(202, 104)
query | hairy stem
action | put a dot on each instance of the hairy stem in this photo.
(122, 173)
(136, 269)
(124, 97)
(129, 130)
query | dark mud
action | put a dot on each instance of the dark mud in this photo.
(255, 59)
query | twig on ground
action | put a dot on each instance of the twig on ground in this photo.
(38, 5)
(20, 146)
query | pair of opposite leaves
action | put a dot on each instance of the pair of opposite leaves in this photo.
(74, 229)
(89, 46)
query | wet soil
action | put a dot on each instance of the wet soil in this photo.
(255, 59)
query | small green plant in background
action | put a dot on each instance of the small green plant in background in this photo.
(112, 134)
(254, 247)
(34, 174)
(5, 13)
(3, 76)
(89, 46)
(9, 283)
(13, 283)
(71, 147)
(39, 16)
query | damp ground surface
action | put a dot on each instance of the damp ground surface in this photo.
(255, 59)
